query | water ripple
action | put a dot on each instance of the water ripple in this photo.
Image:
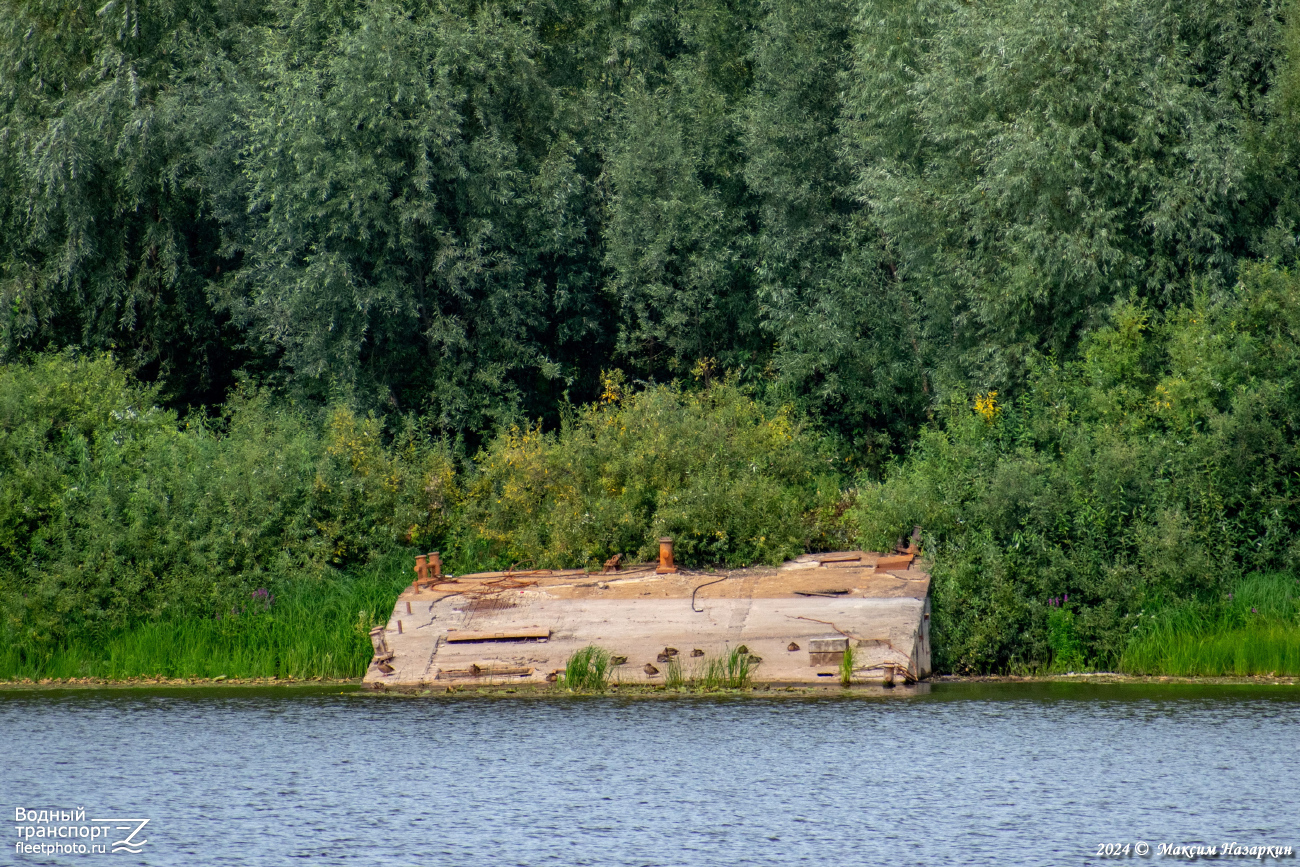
(1034, 775)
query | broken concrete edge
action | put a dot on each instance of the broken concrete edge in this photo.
(872, 687)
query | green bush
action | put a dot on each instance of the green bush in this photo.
(115, 513)
(122, 524)
(1063, 639)
(730, 480)
(1153, 472)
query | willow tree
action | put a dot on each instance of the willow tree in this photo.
(1029, 162)
(416, 211)
(842, 326)
(677, 209)
(110, 121)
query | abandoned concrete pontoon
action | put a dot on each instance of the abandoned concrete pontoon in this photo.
(796, 620)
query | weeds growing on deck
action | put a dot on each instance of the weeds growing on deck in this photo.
(731, 671)
(1255, 631)
(846, 666)
(588, 670)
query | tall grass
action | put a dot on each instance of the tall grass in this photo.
(733, 670)
(310, 628)
(588, 670)
(1255, 631)
(674, 676)
(846, 667)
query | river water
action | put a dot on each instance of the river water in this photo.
(996, 774)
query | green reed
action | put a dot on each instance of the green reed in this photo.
(674, 676)
(846, 666)
(588, 670)
(1255, 630)
(308, 628)
(733, 670)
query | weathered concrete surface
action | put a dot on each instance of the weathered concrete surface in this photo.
(637, 614)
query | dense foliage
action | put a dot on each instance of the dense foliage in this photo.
(470, 209)
(1150, 473)
(116, 514)
(113, 512)
(339, 248)
(727, 480)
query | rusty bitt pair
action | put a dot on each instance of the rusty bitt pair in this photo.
(428, 567)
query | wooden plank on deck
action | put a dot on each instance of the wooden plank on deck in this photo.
(510, 635)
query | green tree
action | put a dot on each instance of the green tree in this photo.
(678, 211)
(843, 329)
(1031, 161)
(419, 224)
(109, 121)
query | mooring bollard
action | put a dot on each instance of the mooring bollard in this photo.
(435, 565)
(666, 557)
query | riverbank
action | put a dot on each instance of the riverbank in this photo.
(1104, 677)
(177, 682)
(301, 629)
(1117, 677)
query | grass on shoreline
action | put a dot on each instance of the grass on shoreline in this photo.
(312, 628)
(1257, 632)
(1264, 649)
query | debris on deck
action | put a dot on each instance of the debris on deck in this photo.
(798, 620)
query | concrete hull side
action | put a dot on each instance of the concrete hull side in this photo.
(882, 632)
